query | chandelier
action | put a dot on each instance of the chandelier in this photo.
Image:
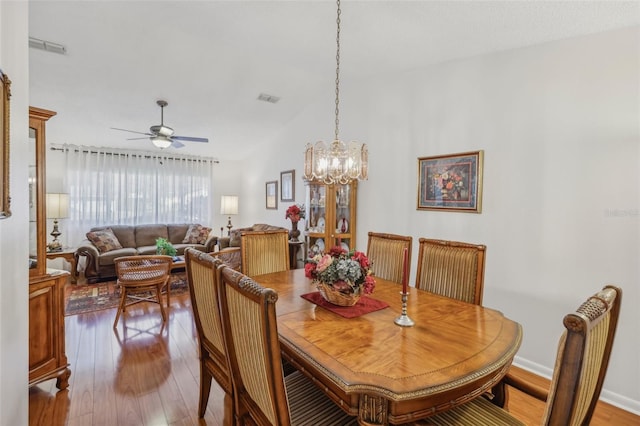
(338, 163)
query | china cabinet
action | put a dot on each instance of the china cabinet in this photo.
(331, 216)
(47, 356)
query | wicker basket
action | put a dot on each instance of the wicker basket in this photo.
(335, 297)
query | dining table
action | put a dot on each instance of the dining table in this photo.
(384, 373)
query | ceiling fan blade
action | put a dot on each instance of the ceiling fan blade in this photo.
(132, 131)
(177, 144)
(189, 139)
(137, 139)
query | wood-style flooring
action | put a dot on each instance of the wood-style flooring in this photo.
(145, 374)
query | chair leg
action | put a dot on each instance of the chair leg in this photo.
(159, 296)
(123, 298)
(205, 389)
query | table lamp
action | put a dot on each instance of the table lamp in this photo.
(57, 208)
(229, 206)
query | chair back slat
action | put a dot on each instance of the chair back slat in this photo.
(452, 269)
(583, 359)
(264, 252)
(386, 251)
(251, 338)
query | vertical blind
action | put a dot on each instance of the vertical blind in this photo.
(124, 187)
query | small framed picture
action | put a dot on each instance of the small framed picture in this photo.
(271, 195)
(288, 185)
(451, 182)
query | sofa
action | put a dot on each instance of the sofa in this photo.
(105, 243)
(233, 240)
(230, 246)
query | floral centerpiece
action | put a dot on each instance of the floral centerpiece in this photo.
(341, 276)
(295, 212)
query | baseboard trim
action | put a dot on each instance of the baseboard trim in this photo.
(615, 399)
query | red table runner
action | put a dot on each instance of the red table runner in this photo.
(364, 305)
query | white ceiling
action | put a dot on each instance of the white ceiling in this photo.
(211, 59)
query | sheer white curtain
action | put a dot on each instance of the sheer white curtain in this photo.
(109, 187)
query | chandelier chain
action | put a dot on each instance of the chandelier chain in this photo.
(338, 71)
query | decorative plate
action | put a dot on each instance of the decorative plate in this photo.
(344, 246)
(320, 223)
(343, 225)
(320, 244)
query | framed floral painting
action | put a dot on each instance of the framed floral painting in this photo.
(288, 185)
(451, 182)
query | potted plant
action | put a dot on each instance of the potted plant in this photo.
(163, 246)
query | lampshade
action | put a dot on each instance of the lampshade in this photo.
(161, 141)
(229, 204)
(57, 206)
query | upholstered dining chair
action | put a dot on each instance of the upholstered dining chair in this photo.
(203, 278)
(580, 369)
(452, 269)
(141, 279)
(386, 253)
(262, 394)
(264, 252)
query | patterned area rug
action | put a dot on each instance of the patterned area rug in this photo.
(80, 299)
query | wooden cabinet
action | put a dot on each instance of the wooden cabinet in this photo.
(47, 356)
(331, 216)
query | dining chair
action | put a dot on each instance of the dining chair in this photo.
(141, 279)
(386, 253)
(203, 278)
(264, 252)
(263, 396)
(581, 365)
(230, 256)
(452, 269)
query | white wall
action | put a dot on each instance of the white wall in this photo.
(14, 251)
(559, 125)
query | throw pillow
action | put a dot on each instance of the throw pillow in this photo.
(104, 240)
(196, 234)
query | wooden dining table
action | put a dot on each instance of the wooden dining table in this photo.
(387, 374)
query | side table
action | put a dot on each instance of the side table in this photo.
(68, 254)
(294, 246)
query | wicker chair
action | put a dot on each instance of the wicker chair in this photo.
(452, 269)
(264, 252)
(203, 277)
(251, 337)
(386, 251)
(581, 365)
(140, 275)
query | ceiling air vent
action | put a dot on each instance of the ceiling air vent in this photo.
(49, 46)
(268, 98)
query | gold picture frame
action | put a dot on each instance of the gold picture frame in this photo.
(5, 94)
(271, 195)
(451, 182)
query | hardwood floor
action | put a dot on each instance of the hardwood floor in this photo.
(145, 374)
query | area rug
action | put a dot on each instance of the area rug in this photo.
(80, 299)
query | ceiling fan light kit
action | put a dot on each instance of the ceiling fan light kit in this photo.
(162, 136)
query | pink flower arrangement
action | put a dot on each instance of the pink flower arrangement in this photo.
(347, 272)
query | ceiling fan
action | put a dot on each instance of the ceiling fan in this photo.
(161, 135)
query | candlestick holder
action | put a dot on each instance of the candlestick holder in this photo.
(403, 320)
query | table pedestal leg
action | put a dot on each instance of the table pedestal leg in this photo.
(372, 410)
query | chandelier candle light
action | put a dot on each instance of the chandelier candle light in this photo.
(403, 320)
(339, 163)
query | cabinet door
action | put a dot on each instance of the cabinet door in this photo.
(47, 356)
(43, 309)
(331, 218)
